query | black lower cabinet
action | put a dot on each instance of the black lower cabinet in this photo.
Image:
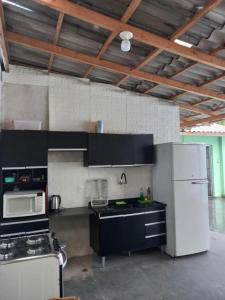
(113, 234)
(116, 242)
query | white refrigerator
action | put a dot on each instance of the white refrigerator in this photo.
(180, 181)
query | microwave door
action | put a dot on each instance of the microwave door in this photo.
(19, 206)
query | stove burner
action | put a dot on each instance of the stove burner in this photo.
(6, 255)
(4, 244)
(35, 251)
(35, 240)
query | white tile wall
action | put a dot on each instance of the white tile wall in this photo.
(68, 177)
(76, 104)
(21, 75)
(24, 102)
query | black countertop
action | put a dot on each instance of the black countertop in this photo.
(132, 206)
(70, 212)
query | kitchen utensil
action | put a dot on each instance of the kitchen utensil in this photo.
(54, 202)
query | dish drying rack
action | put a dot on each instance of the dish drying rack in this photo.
(97, 192)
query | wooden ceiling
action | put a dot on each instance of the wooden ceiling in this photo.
(195, 82)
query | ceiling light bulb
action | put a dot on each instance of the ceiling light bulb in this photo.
(125, 37)
(125, 45)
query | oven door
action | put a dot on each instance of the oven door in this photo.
(19, 205)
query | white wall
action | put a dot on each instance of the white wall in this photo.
(76, 104)
(24, 102)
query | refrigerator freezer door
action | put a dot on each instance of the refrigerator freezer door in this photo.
(192, 217)
(189, 161)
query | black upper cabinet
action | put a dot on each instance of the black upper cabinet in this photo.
(20, 148)
(122, 149)
(119, 149)
(67, 140)
(99, 150)
(144, 149)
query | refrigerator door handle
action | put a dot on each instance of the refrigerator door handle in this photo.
(200, 182)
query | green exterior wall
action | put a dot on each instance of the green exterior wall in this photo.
(218, 157)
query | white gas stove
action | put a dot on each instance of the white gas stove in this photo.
(31, 267)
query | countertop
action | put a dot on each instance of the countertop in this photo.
(69, 212)
(132, 206)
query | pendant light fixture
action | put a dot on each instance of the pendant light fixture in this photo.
(125, 37)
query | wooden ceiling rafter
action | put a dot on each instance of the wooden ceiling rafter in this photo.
(190, 66)
(126, 16)
(143, 36)
(202, 121)
(76, 56)
(183, 29)
(56, 37)
(202, 111)
(3, 42)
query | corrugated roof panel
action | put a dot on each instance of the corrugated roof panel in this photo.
(69, 67)
(37, 24)
(162, 17)
(28, 56)
(106, 7)
(104, 76)
(81, 36)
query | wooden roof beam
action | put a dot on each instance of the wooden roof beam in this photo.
(126, 16)
(201, 13)
(202, 121)
(56, 38)
(196, 109)
(218, 49)
(76, 56)
(140, 35)
(5, 55)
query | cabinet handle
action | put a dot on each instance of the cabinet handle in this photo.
(155, 223)
(132, 214)
(154, 235)
(200, 182)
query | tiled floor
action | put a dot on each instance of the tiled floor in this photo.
(150, 275)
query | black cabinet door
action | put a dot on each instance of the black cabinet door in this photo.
(20, 148)
(36, 142)
(67, 140)
(136, 232)
(100, 150)
(119, 149)
(113, 235)
(109, 149)
(144, 149)
(123, 149)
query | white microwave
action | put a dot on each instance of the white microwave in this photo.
(23, 204)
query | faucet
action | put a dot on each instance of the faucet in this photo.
(123, 179)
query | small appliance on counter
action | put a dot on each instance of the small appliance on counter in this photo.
(97, 192)
(17, 204)
(55, 203)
